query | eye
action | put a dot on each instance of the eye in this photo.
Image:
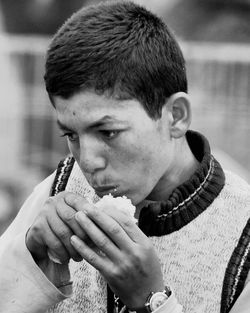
(70, 136)
(109, 134)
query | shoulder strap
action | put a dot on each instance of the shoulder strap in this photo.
(62, 175)
(237, 271)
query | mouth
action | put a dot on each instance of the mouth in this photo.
(105, 190)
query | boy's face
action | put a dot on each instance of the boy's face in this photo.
(118, 147)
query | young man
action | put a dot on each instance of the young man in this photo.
(117, 80)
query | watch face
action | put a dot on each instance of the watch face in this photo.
(157, 300)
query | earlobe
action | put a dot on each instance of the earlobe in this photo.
(179, 106)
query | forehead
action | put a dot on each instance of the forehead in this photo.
(89, 106)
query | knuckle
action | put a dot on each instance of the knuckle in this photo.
(33, 235)
(142, 253)
(77, 201)
(50, 201)
(120, 274)
(114, 273)
(68, 216)
(38, 227)
(74, 199)
(95, 213)
(64, 234)
(103, 243)
(57, 246)
(91, 258)
(139, 256)
(127, 222)
(115, 229)
(34, 232)
(35, 228)
(125, 268)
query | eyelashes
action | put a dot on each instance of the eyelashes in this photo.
(106, 134)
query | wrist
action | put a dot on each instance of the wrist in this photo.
(153, 301)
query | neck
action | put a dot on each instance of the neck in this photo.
(183, 166)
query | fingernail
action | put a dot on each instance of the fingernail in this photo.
(54, 258)
(69, 198)
(80, 216)
(75, 241)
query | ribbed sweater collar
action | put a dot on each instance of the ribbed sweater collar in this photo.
(189, 199)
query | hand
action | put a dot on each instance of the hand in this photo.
(52, 230)
(122, 253)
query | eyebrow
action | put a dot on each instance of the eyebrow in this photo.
(98, 123)
(103, 120)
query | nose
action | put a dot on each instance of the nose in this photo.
(92, 157)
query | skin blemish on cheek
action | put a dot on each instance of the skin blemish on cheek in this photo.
(74, 113)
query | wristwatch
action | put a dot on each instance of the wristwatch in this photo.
(154, 301)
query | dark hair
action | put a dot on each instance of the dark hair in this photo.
(120, 48)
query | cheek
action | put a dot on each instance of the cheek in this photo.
(135, 160)
(140, 174)
(147, 161)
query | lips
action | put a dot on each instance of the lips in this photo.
(105, 190)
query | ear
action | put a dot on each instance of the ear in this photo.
(180, 111)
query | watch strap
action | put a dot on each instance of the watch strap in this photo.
(154, 300)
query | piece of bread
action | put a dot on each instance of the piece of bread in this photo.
(120, 203)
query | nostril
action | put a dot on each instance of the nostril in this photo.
(91, 153)
(91, 165)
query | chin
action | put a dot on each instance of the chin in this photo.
(135, 198)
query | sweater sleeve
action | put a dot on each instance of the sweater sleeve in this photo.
(23, 286)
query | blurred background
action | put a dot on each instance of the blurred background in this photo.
(215, 39)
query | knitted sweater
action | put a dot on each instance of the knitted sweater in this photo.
(201, 235)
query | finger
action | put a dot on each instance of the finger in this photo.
(127, 223)
(55, 246)
(107, 222)
(97, 260)
(118, 225)
(98, 236)
(132, 230)
(76, 202)
(35, 242)
(63, 234)
(67, 214)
